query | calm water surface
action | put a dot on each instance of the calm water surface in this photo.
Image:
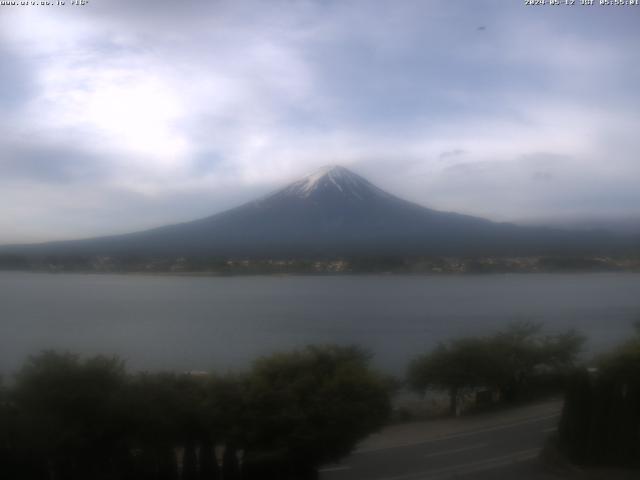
(201, 323)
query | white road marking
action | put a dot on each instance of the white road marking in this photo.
(466, 468)
(457, 450)
(458, 435)
(334, 469)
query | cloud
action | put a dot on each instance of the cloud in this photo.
(49, 164)
(456, 152)
(172, 110)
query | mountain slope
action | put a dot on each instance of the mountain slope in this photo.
(332, 212)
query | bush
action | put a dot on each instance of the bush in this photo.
(70, 418)
(600, 423)
(312, 406)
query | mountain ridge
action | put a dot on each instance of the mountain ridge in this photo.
(331, 212)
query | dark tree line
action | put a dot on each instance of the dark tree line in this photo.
(600, 422)
(516, 362)
(67, 418)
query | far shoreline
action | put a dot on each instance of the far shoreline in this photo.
(197, 274)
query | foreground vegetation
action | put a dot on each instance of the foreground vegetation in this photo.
(511, 365)
(67, 418)
(600, 422)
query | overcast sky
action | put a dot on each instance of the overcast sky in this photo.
(122, 115)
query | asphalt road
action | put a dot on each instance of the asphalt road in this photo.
(492, 446)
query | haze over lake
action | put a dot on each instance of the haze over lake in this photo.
(204, 323)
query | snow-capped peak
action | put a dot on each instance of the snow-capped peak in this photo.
(334, 174)
(335, 180)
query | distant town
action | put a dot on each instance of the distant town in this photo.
(356, 265)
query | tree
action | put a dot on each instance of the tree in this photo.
(68, 413)
(507, 361)
(11, 458)
(460, 364)
(165, 412)
(600, 421)
(526, 354)
(312, 406)
(227, 421)
(72, 418)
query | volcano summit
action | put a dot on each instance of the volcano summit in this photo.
(332, 212)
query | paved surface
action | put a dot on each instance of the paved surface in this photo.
(499, 445)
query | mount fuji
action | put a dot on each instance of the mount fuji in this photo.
(332, 212)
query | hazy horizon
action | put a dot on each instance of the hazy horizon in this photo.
(616, 225)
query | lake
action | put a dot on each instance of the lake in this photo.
(203, 323)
